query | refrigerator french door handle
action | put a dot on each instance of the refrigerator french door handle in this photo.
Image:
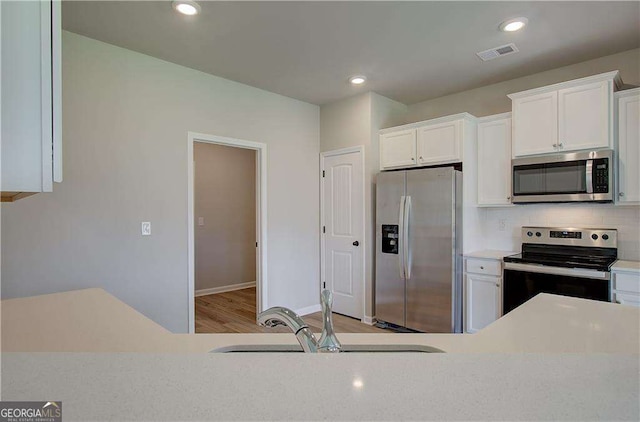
(400, 239)
(406, 240)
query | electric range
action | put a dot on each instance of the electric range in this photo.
(566, 261)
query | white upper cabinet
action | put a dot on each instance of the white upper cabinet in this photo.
(31, 97)
(584, 117)
(494, 160)
(570, 116)
(432, 142)
(398, 149)
(628, 130)
(535, 124)
(440, 143)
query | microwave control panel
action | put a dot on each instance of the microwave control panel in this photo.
(601, 175)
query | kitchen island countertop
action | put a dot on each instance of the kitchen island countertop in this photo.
(553, 358)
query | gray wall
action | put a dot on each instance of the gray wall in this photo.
(225, 198)
(126, 118)
(492, 99)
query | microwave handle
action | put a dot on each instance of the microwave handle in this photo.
(589, 176)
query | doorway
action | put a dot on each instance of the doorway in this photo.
(227, 225)
(343, 243)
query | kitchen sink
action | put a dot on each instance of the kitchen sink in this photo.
(350, 348)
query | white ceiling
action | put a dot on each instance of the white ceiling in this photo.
(410, 51)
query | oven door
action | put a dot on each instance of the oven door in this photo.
(524, 281)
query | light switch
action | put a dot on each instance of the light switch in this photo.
(201, 221)
(146, 228)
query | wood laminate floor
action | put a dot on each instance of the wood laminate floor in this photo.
(235, 312)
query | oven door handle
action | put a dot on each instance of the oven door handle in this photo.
(589, 176)
(571, 272)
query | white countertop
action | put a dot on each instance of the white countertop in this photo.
(629, 266)
(92, 320)
(490, 254)
(297, 386)
(553, 358)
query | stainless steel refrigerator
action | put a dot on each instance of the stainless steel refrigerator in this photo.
(418, 249)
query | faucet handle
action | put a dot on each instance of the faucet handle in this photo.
(328, 341)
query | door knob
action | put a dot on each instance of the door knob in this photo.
(356, 243)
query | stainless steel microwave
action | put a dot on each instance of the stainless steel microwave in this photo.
(571, 177)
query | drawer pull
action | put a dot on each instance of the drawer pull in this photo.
(481, 267)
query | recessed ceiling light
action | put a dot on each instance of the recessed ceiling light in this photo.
(514, 24)
(186, 7)
(357, 80)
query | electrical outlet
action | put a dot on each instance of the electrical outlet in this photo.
(502, 224)
(201, 221)
(146, 228)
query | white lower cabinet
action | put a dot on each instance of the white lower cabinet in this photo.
(625, 285)
(482, 293)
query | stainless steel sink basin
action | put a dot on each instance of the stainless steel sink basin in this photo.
(348, 348)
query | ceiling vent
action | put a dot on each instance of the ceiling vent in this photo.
(493, 53)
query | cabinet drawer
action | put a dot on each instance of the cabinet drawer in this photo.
(629, 299)
(626, 282)
(484, 266)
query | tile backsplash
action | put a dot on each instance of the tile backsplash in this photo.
(501, 227)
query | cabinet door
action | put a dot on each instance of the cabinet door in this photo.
(629, 299)
(440, 143)
(535, 124)
(494, 162)
(30, 101)
(629, 150)
(584, 114)
(483, 304)
(398, 149)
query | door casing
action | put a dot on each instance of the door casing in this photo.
(261, 216)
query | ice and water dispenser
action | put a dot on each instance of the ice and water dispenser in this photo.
(390, 238)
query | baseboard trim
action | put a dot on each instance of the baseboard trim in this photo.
(223, 289)
(309, 310)
(369, 320)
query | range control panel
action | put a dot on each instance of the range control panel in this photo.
(597, 238)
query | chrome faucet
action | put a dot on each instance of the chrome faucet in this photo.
(328, 342)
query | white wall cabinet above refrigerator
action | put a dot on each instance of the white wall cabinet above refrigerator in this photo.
(570, 116)
(628, 148)
(432, 142)
(494, 160)
(398, 149)
(31, 97)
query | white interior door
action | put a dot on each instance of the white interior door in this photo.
(343, 230)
